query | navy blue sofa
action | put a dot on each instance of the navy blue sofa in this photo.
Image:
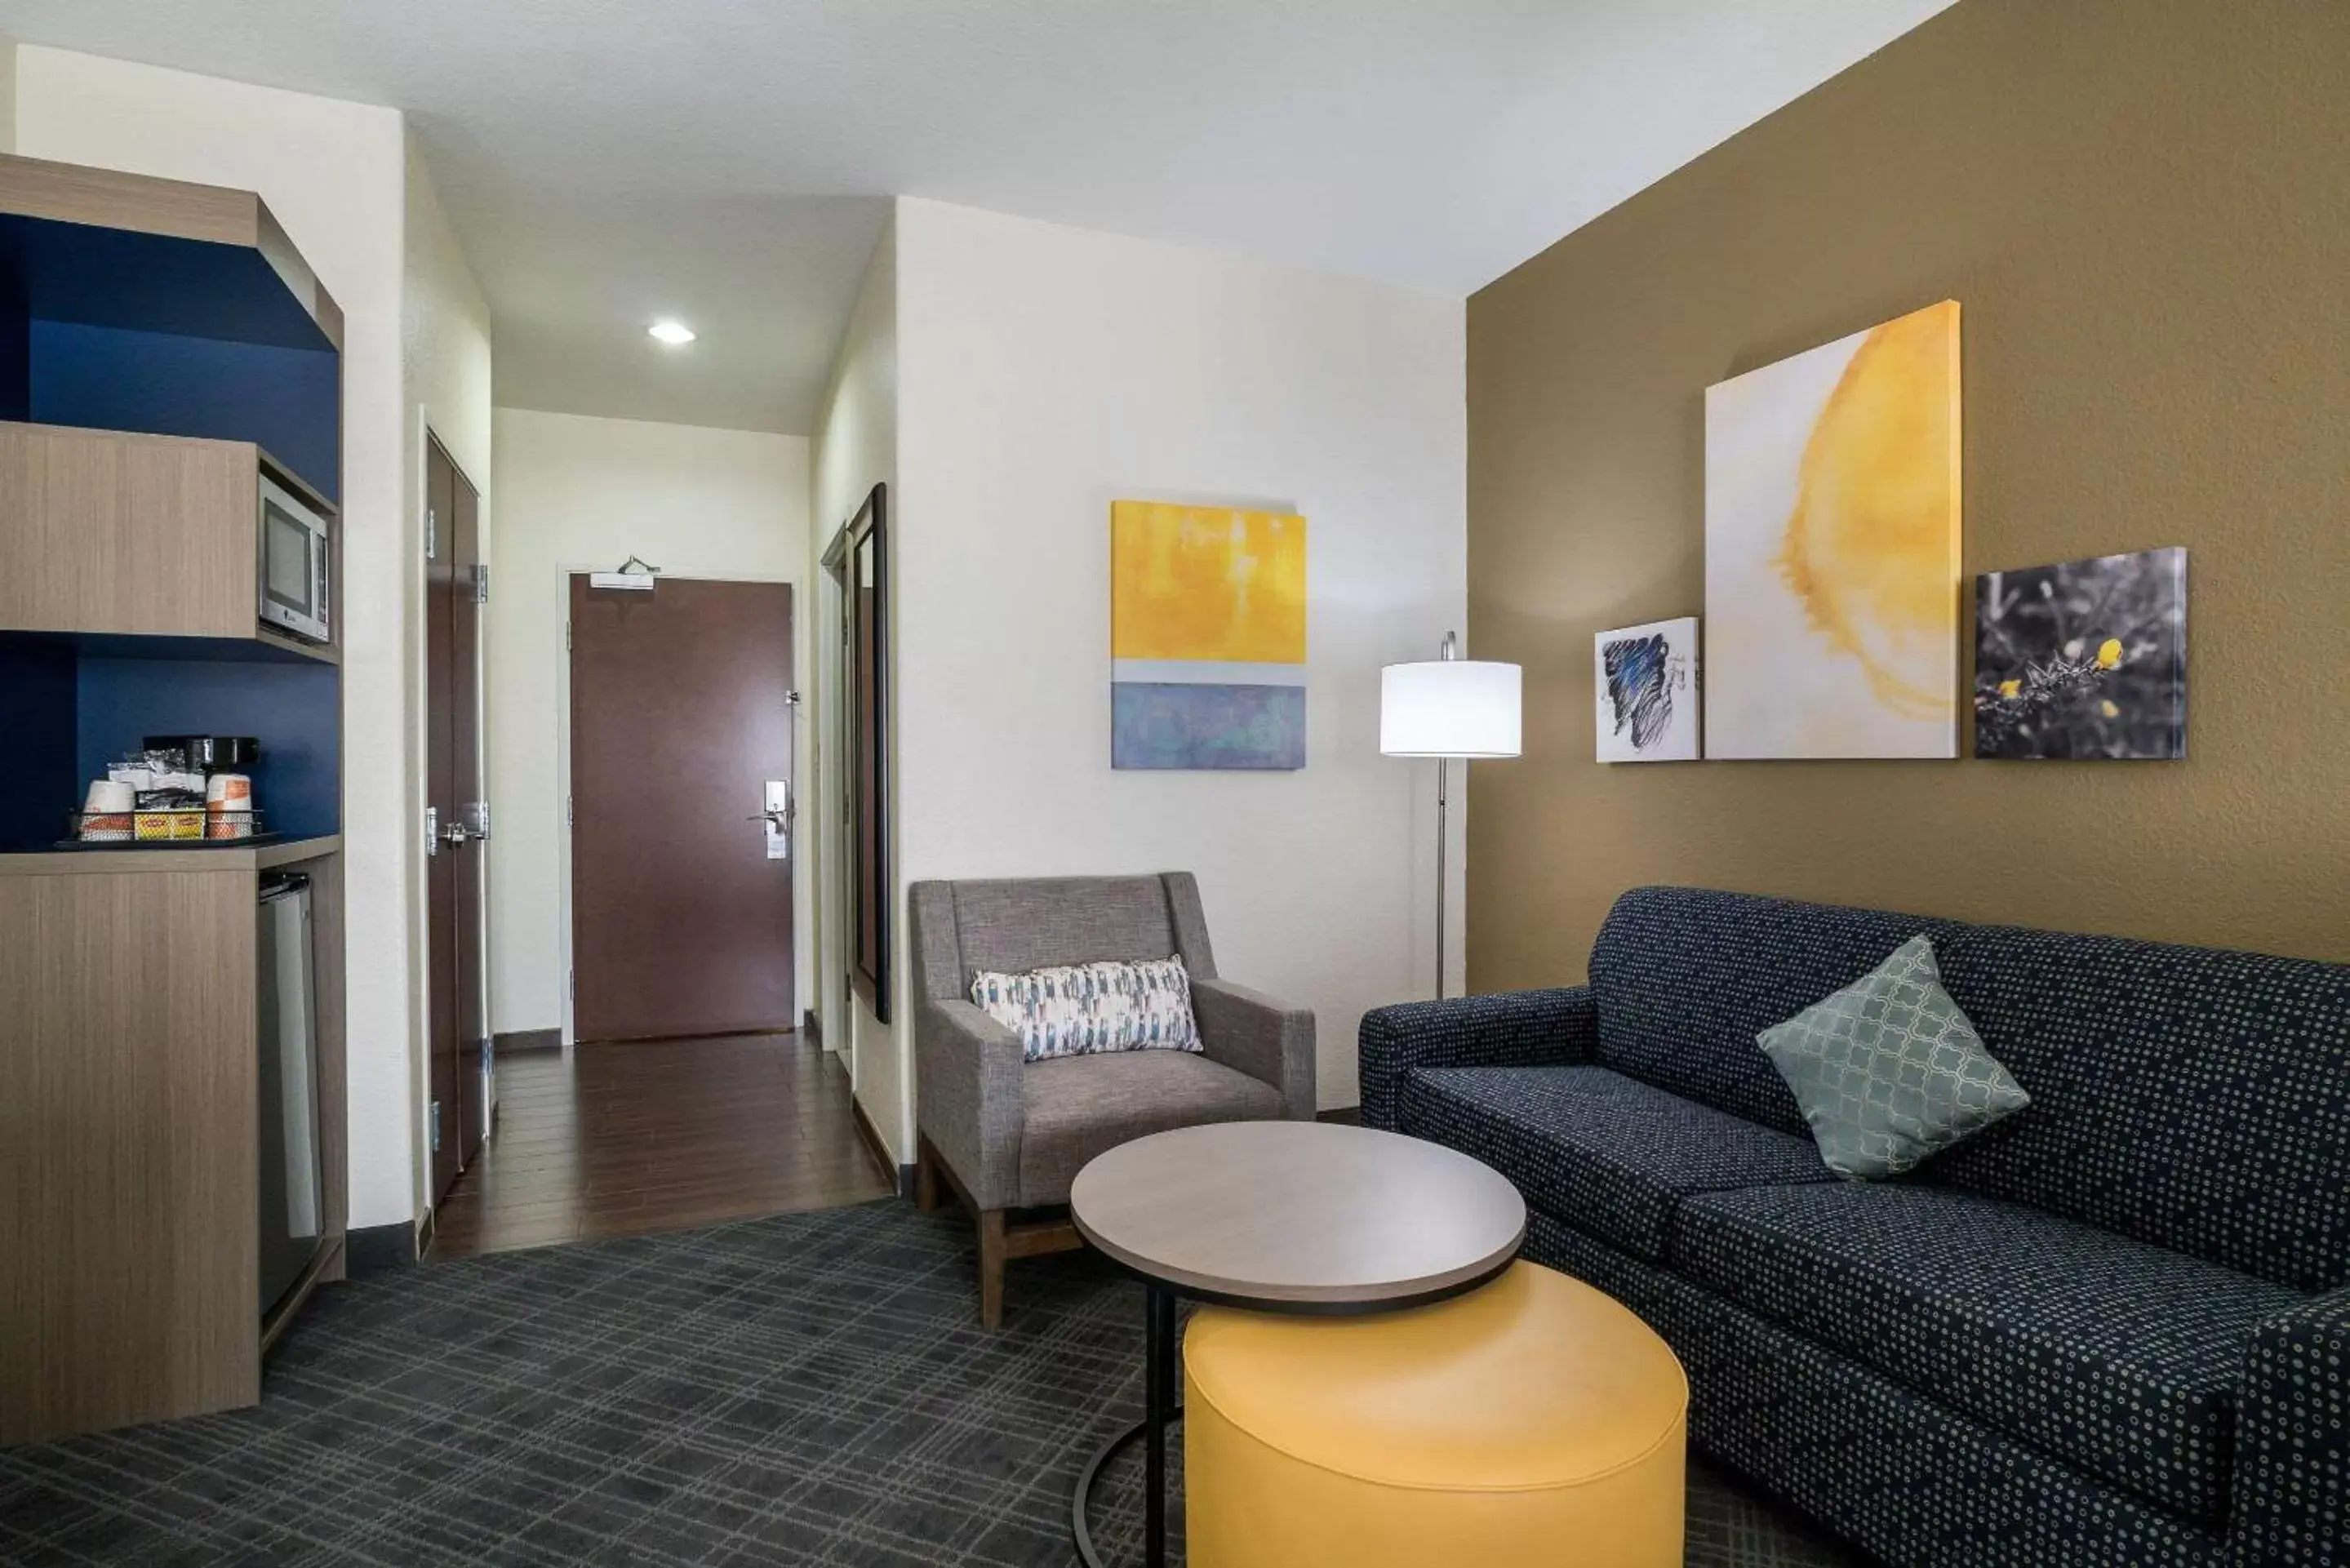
(2114, 1329)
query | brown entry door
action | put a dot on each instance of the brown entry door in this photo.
(681, 744)
(452, 772)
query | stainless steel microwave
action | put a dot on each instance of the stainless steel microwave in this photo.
(295, 591)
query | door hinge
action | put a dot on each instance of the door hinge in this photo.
(482, 583)
(432, 533)
(432, 831)
(477, 817)
(433, 1127)
(568, 819)
(567, 637)
(571, 984)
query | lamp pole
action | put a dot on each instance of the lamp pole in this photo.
(1446, 652)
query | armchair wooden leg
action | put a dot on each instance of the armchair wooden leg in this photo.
(926, 1176)
(991, 1268)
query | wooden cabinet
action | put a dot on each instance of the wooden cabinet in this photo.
(128, 1179)
(117, 532)
(162, 345)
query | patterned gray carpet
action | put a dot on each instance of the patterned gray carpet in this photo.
(810, 1388)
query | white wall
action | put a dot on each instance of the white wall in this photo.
(856, 449)
(333, 174)
(1045, 372)
(444, 339)
(585, 494)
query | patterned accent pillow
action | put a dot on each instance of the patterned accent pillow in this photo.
(1081, 1009)
(1889, 1072)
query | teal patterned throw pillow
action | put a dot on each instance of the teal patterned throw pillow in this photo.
(1889, 1072)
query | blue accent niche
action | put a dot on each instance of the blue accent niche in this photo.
(116, 329)
(294, 709)
(37, 783)
(287, 401)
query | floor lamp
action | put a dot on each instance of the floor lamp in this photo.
(1444, 708)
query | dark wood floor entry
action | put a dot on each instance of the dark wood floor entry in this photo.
(619, 1139)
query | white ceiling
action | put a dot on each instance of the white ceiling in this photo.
(727, 161)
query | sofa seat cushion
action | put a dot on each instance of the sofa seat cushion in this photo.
(1075, 1108)
(1605, 1153)
(2120, 1358)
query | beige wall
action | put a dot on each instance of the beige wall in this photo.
(2144, 209)
(855, 447)
(576, 493)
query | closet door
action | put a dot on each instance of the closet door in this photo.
(456, 1042)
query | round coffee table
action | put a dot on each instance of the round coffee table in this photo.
(1286, 1217)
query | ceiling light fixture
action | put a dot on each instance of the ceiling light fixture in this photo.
(676, 334)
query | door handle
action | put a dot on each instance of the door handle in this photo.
(777, 792)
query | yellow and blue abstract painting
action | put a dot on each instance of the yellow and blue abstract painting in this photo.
(1207, 637)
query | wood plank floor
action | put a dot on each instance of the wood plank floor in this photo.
(617, 1139)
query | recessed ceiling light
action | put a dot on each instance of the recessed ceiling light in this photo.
(674, 333)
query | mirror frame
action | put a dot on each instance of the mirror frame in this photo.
(866, 689)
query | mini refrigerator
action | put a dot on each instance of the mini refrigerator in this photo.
(293, 1183)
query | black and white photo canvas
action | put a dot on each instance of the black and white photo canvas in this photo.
(2083, 660)
(1644, 689)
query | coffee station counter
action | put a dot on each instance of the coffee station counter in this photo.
(264, 856)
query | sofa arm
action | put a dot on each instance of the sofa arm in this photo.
(2292, 1441)
(967, 1098)
(1250, 1032)
(1507, 1029)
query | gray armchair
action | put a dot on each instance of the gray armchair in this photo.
(1007, 1134)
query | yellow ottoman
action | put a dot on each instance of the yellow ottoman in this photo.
(1534, 1421)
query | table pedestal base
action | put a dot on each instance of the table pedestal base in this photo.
(1159, 1410)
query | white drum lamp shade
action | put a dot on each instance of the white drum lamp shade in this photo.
(1450, 708)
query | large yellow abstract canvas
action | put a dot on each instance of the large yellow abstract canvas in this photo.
(1207, 637)
(1832, 517)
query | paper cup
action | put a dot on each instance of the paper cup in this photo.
(228, 792)
(110, 795)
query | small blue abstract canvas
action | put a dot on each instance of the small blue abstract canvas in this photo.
(1644, 692)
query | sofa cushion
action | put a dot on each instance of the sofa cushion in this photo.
(1687, 979)
(1075, 1108)
(2190, 1097)
(1604, 1152)
(1888, 1071)
(2121, 1358)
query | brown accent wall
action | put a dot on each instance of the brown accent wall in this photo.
(2144, 206)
